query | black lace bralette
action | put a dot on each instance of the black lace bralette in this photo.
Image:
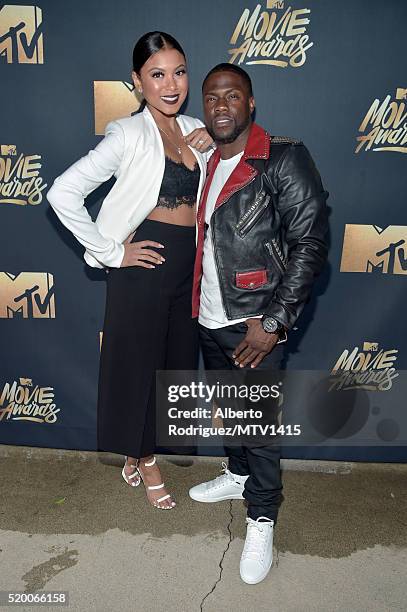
(179, 185)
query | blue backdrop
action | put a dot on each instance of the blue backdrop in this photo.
(329, 74)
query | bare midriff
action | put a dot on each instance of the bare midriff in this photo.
(183, 215)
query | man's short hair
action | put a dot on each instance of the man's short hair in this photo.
(225, 67)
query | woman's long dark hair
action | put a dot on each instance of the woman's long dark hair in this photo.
(147, 45)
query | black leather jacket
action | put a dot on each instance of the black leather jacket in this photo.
(269, 230)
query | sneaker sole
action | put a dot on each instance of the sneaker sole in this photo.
(262, 577)
(205, 500)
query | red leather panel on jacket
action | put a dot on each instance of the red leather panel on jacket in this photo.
(251, 280)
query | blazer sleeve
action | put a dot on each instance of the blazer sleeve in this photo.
(69, 190)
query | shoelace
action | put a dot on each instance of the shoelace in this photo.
(219, 480)
(256, 537)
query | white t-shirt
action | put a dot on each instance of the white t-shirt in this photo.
(211, 311)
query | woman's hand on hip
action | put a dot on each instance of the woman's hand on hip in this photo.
(199, 139)
(138, 253)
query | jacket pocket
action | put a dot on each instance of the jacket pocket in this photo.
(275, 252)
(252, 215)
(251, 280)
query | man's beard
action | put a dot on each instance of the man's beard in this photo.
(231, 137)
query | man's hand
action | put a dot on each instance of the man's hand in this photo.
(255, 346)
(199, 139)
(136, 253)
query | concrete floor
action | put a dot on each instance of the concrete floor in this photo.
(69, 522)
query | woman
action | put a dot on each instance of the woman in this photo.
(148, 324)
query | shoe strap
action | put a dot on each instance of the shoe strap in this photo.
(154, 487)
(133, 475)
(150, 463)
(160, 499)
(126, 457)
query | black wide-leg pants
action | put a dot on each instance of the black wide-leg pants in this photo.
(147, 327)
(263, 488)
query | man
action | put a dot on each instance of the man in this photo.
(262, 228)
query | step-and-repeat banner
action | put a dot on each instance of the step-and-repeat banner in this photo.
(332, 74)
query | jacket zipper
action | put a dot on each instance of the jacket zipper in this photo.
(275, 252)
(217, 268)
(213, 245)
(251, 215)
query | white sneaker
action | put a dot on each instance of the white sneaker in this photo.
(227, 486)
(257, 555)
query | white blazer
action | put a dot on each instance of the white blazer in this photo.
(132, 150)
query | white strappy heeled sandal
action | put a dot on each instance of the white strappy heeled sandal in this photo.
(156, 487)
(135, 475)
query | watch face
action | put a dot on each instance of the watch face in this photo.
(270, 325)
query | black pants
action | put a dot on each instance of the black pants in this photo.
(263, 488)
(148, 327)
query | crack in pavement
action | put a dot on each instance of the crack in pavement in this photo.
(222, 558)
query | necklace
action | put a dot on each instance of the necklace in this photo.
(171, 141)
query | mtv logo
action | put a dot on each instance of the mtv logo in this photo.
(28, 295)
(401, 94)
(275, 4)
(26, 382)
(113, 99)
(8, 150)
(370, 347)
(369, 248)
(21, 39)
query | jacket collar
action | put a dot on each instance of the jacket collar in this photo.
(257, 147)
(258, 143)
